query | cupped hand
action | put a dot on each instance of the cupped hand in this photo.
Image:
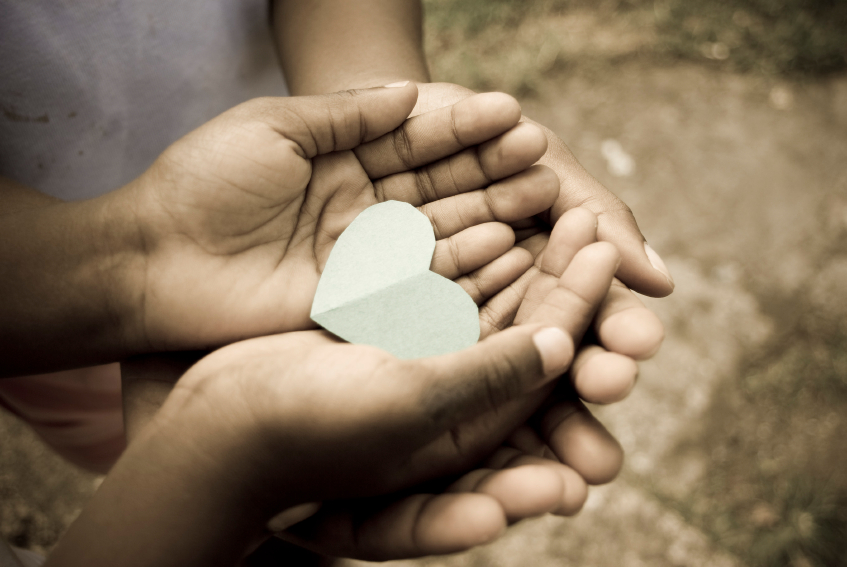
(306, 418)
(641, 269)
(238, 218)
(625, 331)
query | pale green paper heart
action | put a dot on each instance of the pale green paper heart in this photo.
(377, 289)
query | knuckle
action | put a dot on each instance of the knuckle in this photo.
(501, 379)
(455, 255)
(425, 185)
(403, 147)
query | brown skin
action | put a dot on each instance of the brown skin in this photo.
(321, 51)
(194, 253)
(217, 461)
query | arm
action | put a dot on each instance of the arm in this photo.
(64, 286)
(323, 49)
(330, 45)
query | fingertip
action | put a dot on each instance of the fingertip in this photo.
(582, 443)
(548, 181)
(578, 216)
(513, 151)
(575, 492)
(605, 378)
(455, 522)
(641, 273)
(525, 491)
(529, 138)
(637, 333)
(555, 348)
(601, 253)
(504, 105)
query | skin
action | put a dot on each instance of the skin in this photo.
(194, 253)
(321, 52)
(400, 57)
(320, 48)
(357, 430)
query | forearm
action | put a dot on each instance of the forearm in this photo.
(172, 499)
(331, 45)
(64, 290)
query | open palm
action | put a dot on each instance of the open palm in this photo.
(239, 217)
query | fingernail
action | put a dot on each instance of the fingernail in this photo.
(556, 350)
(657, 263)
(397, 85)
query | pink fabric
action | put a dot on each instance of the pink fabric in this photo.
(77, 412)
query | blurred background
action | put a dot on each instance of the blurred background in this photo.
(723, 125)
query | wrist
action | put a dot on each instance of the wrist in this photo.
(64, 297)
(121, 252)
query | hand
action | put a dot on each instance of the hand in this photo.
(277, 421)
(643, 273)
(239, 217)
(540, 470)
(624, 329)
(337, 463)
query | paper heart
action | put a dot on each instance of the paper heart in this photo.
(376, 288)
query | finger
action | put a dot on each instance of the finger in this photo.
(602, 377)
(293, 515)
(517, 302)
(471, 249)
(581, 442)
(623, 325)
(468, 170)
(641, 268)
(509, 364)
(456, 387)
(492, 278)
(575, 230)
(332, 122)
(525, 489)
(583, 285)
(434, 135)
(499, 312)
(422, 524)
(520, 196)
(573, 489)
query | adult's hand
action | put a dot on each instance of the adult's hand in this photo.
(277, 421)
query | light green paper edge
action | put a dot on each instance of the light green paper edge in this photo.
(399, 305)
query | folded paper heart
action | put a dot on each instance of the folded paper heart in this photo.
(377, 289)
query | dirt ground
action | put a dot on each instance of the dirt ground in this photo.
(734, 434)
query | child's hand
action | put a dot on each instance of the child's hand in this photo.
(238, 218)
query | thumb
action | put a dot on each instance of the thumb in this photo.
(456, 387)
(326, 123)
(508, 364)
